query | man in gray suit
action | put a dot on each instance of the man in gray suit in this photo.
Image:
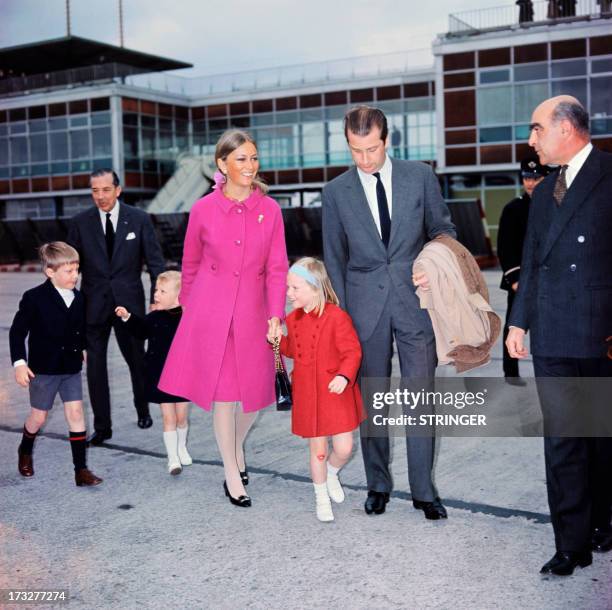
(377, 217)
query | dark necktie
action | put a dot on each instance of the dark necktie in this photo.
(560, 185)
(110, 236)
(383, 210)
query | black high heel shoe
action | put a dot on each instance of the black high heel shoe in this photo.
(242, 501)
(244, 476)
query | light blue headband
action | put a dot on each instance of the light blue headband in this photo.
(305, 274)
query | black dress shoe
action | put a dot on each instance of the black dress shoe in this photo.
(244, 476)
(601, 541)
(99, 436)
(145, 422)
(376, 502)
(433, 510)
(242, 501)
(564, 562)
(25, 465)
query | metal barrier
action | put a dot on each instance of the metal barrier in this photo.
(20, 239)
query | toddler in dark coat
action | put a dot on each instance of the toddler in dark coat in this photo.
(159, 328)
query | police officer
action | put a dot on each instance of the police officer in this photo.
(510, 238)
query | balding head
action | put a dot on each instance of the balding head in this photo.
(559, 129)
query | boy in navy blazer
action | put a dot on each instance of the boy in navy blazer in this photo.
(52, 317)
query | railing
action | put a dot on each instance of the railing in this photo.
(112, 72)
(530, 13)
(355, 68)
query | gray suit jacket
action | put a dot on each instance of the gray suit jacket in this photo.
(107, 284)
(362, 271)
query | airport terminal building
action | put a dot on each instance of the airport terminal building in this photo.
(90, 104)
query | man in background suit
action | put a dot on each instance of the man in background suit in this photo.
(112, 239)
(377, 217)
(565, 301)
(510, 240)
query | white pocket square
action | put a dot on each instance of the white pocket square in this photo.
(131, 236)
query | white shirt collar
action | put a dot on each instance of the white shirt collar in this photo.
(576, 162)
(385, 172)
(114, 213)
(66, 294)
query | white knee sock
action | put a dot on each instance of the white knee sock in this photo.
(182, 446)
(336, 493)
(171, 442)
(323, 504)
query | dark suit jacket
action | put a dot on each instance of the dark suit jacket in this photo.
(362, 271)
(159, 328)
(105, 283)
(565, 293)
(511, 238)
(56, 333)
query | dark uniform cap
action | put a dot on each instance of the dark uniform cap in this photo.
(531, 168)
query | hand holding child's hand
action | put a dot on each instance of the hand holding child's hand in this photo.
(23, 374)
(338, 384)
(274, 330)
(122, 313)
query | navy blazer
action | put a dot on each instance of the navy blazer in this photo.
(361, 269)
(105, 283)
(55, 333)
(565, 291)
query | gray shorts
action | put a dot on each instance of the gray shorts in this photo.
(44, 389)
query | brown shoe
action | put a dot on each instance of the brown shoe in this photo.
(84, 477)
(25, 465)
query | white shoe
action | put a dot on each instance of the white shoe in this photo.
(324, 509)
(182, 446)
(334, 488)
(184, 456)
(171, 442)
(174, 465)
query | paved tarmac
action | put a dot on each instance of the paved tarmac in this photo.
(144, 539)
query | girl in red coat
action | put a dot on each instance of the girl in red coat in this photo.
(326, 357)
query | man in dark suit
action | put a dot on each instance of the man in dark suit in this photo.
(510, 240)
(112, 239)
(377, 217)
(565, 301)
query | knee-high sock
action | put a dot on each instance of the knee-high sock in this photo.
(78, 445)
(27, 441)
(224, 420)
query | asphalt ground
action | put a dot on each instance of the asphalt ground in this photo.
(144, 539)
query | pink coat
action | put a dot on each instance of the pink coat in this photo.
(234, 267)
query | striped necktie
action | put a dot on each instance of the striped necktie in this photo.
(560, 185)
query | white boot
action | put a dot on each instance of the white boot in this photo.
(323, 504)
(334, 488)
(182, 446)
(171, 442)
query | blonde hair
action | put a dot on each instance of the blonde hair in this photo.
(325, 292)
(170, 276)
(229, 142)
(57, 253)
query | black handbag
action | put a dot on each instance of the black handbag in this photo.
(282, 385)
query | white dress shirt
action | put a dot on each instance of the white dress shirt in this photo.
(576, 163)
(368, 181)
(67, 296)
(114, 216)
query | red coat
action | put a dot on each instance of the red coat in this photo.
(321, 348)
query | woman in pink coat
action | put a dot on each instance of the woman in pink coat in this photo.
(234, 270)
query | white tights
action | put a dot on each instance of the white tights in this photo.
(231, 428)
